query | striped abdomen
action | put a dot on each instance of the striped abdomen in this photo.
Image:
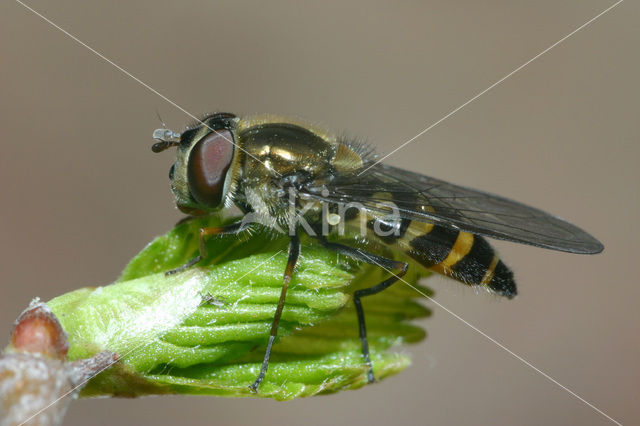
(460, 255)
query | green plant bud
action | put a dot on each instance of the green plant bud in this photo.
(203, 331)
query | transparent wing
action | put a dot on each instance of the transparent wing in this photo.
(426, 199)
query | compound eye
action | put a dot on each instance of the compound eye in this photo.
(172, 171)
(209, 162)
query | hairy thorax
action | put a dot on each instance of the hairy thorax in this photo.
(280, 158)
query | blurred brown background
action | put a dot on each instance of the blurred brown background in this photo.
(82, 192)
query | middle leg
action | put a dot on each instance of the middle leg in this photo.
(294, 254)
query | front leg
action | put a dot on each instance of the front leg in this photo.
(234, 228)
(294, 254)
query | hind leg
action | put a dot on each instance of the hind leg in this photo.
(383, 262)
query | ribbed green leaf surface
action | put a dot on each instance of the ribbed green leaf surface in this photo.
(203, 331)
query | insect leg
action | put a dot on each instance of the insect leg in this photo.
(294, 253)
(383, 262)
(234, 228)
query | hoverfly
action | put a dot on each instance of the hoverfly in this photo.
(284, 173)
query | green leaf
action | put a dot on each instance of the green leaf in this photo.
(203, 331)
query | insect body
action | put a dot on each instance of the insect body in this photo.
(296, 178)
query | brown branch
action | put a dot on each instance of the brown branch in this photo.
(37, 383)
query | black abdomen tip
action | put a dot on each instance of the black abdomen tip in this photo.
(503, 282)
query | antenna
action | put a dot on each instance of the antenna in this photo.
(166, 137)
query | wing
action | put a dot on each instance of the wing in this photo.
(426, 199)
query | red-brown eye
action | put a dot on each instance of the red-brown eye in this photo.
(209, 162)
